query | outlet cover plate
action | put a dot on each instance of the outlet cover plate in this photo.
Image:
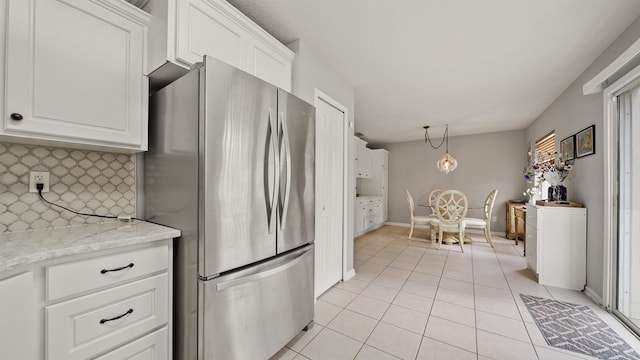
(35, 177)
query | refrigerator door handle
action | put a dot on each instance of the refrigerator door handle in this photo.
(271, 195)
(287, 169)
(261, 275)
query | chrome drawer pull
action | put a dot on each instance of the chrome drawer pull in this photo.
(130, 311)
(104, 271)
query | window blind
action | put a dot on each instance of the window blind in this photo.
(546, 148)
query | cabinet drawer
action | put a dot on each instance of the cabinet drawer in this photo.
(151, 347)
(86, 326)
(80, 276)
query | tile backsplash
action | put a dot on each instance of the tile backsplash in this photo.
(85, 181)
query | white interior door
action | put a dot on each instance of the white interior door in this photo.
(329, 195)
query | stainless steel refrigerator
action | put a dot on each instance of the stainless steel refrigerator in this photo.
(231, 164)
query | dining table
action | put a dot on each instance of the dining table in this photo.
(450, 238)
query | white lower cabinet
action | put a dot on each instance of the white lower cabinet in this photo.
(369, 213)
(109, 304)
(17, 317)
(151, 347)
(86, 326)
(556, 247)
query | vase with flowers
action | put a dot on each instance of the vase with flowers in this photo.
(531, 193)
(553, 171)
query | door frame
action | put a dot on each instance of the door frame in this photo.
(319, 95)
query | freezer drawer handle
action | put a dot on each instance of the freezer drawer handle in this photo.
(104, 271)
(130, 311)
(259, 276)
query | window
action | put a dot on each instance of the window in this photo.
(546, 148)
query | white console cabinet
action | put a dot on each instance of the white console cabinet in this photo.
(183, 31)
(74, 74)
(556, 245)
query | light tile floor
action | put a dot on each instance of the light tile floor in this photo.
(410, 300)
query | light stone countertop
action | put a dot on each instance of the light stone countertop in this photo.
(28, 247)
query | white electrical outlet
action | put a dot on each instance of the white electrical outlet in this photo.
(38, 177)
(494, 218)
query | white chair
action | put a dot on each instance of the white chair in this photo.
(420, 220)
(485, 222)
(433, 195)
(451, 207)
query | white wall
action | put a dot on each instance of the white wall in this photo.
(485, 162)
(569, 113)
(311, 72)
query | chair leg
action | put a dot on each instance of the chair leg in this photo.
(461, 234)
(433, 233)
(439, 238)
(411, 231)
(487, 234)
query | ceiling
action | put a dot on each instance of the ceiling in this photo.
(478, 65)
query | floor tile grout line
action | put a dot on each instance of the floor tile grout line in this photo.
(535, 350)
(432, 304)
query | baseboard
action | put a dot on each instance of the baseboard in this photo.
(348, 275)
(593, 296)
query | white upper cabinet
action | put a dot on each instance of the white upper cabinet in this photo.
(75, 74)
(183, 31)
(363, 159)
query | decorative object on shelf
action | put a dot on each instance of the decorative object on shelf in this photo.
(447, 163)
(554, 172)
(531, 193)
(567, 148)
(557, 193)
(586, 142)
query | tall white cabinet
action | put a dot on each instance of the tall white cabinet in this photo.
(556, 248)
(372, 178)
(183, 31)
(74, 74)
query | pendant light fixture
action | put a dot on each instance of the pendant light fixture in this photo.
(447, 163)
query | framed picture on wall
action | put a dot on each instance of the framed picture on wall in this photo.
(586, 142)
(568, 148)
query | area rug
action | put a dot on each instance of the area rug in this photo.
(576, 328)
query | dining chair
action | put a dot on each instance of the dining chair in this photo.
(432, 221)
(451, 207)
(433, 195)
(485, 222)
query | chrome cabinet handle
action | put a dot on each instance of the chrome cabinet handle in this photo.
(104, 271)
(130, 311)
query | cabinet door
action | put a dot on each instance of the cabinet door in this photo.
(267, 64)
(17, 313)
(75, 74)
(360, 215)
(203, 28)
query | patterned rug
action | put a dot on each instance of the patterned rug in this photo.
(576, 328)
